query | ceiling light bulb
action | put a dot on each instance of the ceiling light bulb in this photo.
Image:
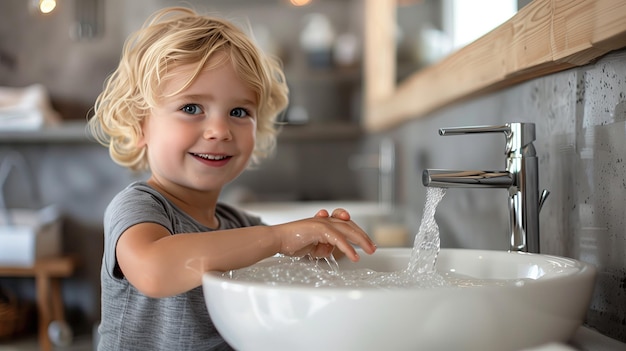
(300, 2)
(47, 6)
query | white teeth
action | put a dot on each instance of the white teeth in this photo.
(211, 157)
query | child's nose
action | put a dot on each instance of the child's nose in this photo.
(217, 127)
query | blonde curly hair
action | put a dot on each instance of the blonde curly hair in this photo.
(170, 38)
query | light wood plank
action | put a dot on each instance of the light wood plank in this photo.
(380, 57)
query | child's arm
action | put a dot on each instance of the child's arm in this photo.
(159, 264)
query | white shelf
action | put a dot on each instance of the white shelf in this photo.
(66, 132)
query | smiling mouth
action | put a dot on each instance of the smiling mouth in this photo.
(211, 157)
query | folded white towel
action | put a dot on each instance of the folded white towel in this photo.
(26, 108)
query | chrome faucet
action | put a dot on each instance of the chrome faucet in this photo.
(520, 178)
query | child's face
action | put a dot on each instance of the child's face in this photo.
(203, 137)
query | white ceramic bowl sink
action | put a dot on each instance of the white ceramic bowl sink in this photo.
(548, 306)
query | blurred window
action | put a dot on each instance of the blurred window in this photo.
(467, 20)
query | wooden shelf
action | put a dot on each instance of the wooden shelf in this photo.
(320, 132)
(338, 74)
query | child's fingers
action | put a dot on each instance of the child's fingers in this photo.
(361, 239)
(341, 214)
(344, 246)
(344, 234)
(322, 213)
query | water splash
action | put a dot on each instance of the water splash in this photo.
(324, 272)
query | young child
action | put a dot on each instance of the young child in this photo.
(194, 102)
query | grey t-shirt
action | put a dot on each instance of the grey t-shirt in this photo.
(133, 321)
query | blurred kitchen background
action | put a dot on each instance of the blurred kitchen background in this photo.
(61, 59)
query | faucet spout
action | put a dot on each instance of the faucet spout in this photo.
(466, 179)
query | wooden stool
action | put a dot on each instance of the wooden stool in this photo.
(47, 273)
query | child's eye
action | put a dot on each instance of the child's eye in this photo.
(191, 109)
(239, 112)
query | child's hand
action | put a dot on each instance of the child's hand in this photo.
(318, 236)
(325, 250)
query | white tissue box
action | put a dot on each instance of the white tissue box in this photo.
(27, 235)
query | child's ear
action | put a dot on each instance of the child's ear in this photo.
(141, 138)
(141, 143)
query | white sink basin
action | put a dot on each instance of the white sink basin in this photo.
(548, 305)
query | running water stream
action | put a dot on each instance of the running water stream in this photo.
(308, 271)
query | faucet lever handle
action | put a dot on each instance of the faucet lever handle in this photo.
(542, 199)
(518, 135)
